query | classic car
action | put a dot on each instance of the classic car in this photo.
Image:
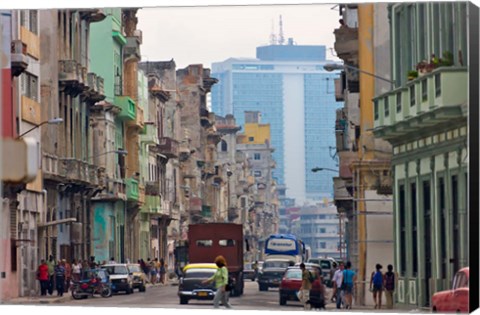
(292, 281)
(272, 273)
(190, 286)
(120, 277)
(456, 299)
(139, 278)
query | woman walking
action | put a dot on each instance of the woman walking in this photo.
(76, 270)
(376, 286)
(163, 271)
(221, 280)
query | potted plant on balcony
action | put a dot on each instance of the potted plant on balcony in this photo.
(424, 67)
(412, 75)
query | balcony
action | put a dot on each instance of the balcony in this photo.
(131, 50)
(346, 42)
(342, 191)
(19, 58)
(114, 191)
(32, 41)
(141, 194)
(78, 171)
(152, 188)
(92, 15)
(428, 101)
(152, 204)
(71, 77)
(168, 147)
(128, 107)
(132, 189)
(31, 110)
(94, 91)
(149, 134)
(138, 122)
(195, 206)
(233, 214)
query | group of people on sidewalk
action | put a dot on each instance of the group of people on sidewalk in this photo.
(344, 285)
(155, 270)
(55, 274)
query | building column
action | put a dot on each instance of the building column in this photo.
(462, 209)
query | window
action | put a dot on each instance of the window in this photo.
(386, 107)
(33, 21)
(250, 139)
(224, 146)
(30, 86)
(412, 95)
(403, 236)
(257, 173)
(413, 207)
(376, 110)
(443, 219)
(424, 90)
(399, 102)
(204, 243)
(257, 156)
(438, 87)
(226, 243)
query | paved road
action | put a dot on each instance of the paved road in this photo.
(166, 297)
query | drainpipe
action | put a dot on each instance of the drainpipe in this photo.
(43, 220)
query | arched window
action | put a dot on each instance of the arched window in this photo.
(224, 146)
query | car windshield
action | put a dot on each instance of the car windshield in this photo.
(314, 261)
(325, 264)
(294, 274)
(134, 268)
(199, 273)
(116, 270)
(275, 264)
(89, 274)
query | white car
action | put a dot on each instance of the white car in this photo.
(120, 276)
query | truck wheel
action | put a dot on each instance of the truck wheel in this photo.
(283, 301)
(183, 300)
(262, 287)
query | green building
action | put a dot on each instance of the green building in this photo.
(110, 205)
(424, 117)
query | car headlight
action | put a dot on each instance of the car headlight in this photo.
(124, 280)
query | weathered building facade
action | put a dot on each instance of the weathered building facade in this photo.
(424, 117)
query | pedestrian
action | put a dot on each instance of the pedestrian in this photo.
(112, 261)
(376, 285)
(304, 293)
(157, 269)
(60, 278)
(221, 281)
(76, 270)
(163, 271)
(337, 285)
(389, 283)
(153, 272)
(317, 300)
(42, 276)
(92, 263)
(68, 274)
(178, 270)
(348, 284)
(51, 274)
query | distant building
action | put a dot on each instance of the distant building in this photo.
(296, 96)
(319, 228)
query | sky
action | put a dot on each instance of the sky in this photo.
(203, 35)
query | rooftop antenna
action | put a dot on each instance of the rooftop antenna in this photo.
(281, 39)
(273, 37)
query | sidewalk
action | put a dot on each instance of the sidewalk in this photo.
(48, 299)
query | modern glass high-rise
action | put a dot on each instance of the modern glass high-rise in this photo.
(296, 96)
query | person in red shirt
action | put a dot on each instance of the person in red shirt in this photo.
(42, 276)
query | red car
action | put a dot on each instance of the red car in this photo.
(456, 299)
(292, 281)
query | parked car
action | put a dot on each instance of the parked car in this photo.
(190, 286)
(456, 299)
(139, 279)
(249, 272)
(292, 282)
(120, 277)
(272, 273)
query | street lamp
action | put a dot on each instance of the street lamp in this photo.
(54, 121)
(336, 66)
(316, 169)
(119, 151)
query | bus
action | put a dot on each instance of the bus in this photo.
(287, 246)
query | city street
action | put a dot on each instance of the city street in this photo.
(166, 297)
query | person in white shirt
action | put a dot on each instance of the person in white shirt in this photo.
(76, 270)
(337, 284)
(112, 261)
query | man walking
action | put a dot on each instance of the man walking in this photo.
(337, 285)
(42, 276)
(305, 288)
(60, 277)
